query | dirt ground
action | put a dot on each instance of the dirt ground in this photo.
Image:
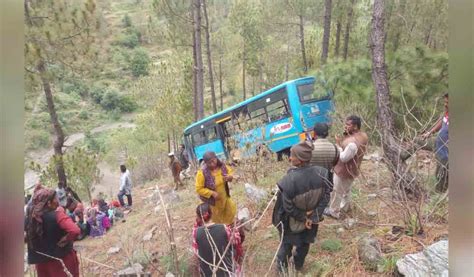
(334, 253)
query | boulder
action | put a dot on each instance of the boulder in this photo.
(169, 274)
(255, 194)
(432, 261)
(149, 234)
(369, 252)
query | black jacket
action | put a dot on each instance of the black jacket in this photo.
(301, 190)
(47, 244)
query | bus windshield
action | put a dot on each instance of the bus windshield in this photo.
(312, 92)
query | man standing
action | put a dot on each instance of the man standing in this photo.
(325, 153)
(175, 167)
(61, 193)
(184, 161)
(352, 148)
(303, 194)
(125, 187)
(441, 147)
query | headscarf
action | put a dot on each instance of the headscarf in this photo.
(41, 197)
(302, 151)
(209, 181)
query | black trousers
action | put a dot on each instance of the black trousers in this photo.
(285, 253)
(120, 197)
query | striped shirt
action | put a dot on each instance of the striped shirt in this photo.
(324, 154)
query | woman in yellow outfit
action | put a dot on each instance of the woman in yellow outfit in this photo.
(211, 185)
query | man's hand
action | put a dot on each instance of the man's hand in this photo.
(62, 242)
(228, 178)
(308, 224)
(338, 140)
(215, 195)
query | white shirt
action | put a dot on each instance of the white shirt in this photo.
(126, 182)
(348, 153)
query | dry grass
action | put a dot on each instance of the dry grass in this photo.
(261, 244)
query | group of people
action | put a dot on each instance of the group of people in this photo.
(55, 218)
(317, 184)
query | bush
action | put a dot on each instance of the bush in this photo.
(97, 93)
(331, 245)
(110, 100)
(129, 40)
(83, 115)
(75, 87)
(113, 101)
(126, 21)
(139, 63)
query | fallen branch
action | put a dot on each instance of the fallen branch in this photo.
(61, 261)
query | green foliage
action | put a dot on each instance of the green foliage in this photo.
(94, 143)
(139, 62)
(389, 263)
(318, 268)
(84, 115)
(37, 139)
(97, 93)
(129, 40)
(113, 101)
(75, 87)
(126, 21)
(81, 170)
(331, 245)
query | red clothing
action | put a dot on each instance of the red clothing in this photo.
(66, 223)
(54, 268)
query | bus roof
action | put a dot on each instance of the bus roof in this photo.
(243, 103)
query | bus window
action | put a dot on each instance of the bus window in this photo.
(211, 134)
(199, 138)
(278, 110)
(312, 92)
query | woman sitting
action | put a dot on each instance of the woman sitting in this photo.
(95, 221)
(209, 237)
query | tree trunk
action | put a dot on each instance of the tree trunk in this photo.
(199, 64)
(220, 82)
(58, 131)
(348, 29)
(327, 30)
(195, 94)
(209, 58)
(303, 50)
(338, 37)
(243, 74)
(385, 121)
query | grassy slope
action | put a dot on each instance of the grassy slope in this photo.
(332, 254)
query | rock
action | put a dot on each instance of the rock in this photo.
(169, 274)
(255, 194)
(113, 250)
(244, 216)
(169, 196)
(371, 196)
(340, 230)
(372, 214)
(433, 261)
(157, 208)
(349, 223)
(134, 269)
(369, 252)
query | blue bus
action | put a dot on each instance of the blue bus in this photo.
(278, 118)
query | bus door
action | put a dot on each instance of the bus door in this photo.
(223, 133)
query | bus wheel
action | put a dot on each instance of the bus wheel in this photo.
(280, 154)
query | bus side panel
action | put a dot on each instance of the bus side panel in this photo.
(248, 141)
(281, 134)
(215, 146)
(316, 112)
